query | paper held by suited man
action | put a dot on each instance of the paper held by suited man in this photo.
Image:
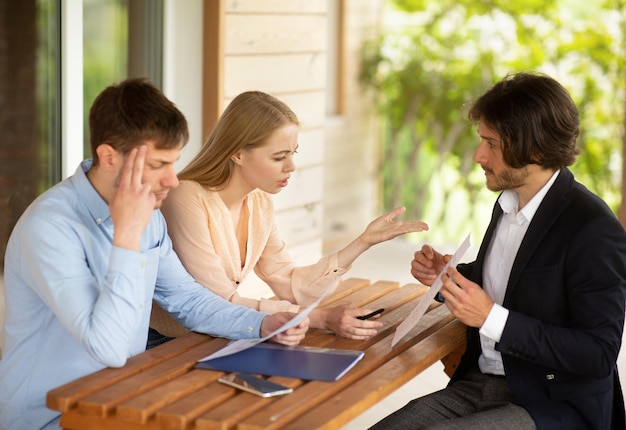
(421, 307)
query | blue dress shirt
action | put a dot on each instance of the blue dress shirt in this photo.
(76, 304)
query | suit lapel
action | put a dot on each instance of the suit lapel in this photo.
(549, 210)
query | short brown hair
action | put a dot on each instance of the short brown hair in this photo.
(127, 114)
(535, 117)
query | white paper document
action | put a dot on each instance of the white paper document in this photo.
(241, 344)
(421, 307)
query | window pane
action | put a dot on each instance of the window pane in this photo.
(105, 50)
(29, 98)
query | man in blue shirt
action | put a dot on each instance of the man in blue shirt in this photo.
(86, 259)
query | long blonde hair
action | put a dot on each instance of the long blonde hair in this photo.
(247, 121)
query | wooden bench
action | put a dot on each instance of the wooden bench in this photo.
(160, 389)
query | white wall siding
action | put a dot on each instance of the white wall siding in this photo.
(351, 160)
(279, 47)
(182, 67)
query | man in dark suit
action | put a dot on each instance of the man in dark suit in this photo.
(544, 300)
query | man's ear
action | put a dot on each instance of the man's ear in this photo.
(107, 156)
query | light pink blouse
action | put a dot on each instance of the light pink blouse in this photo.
(204, 238)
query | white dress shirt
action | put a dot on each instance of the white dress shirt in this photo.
(510, 231)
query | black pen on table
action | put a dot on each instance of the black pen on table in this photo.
(371, 314)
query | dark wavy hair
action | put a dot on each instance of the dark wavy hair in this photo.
(535, 117)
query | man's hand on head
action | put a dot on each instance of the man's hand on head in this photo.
(132, 204)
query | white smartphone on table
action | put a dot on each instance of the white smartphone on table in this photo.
(254, 384)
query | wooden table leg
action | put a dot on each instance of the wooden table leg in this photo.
(451, 361)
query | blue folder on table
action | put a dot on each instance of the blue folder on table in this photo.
(302, 362)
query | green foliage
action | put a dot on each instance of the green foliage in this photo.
(436, 56)
(46, 93)
(104, 51)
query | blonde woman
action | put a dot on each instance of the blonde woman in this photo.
(221, 219)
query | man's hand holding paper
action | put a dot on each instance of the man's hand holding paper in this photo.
(290, 327)
(467, 301)
(427, 264)
(284, 327)
(424, 264)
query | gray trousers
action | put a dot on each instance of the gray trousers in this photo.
(478, 402)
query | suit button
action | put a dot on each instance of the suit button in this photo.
(550, 377)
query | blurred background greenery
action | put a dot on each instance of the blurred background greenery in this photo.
(433, 57)
(105, 51)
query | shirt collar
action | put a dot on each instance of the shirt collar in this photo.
(95, 204)
(509, 200)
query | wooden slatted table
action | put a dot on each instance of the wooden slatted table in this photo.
(160, 389)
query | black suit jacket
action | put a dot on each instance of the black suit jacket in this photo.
(566, 295)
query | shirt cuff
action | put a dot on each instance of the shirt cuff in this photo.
(332, 266)
(270, 306)
(495, 322)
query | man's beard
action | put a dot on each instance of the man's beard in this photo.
(509, 179)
